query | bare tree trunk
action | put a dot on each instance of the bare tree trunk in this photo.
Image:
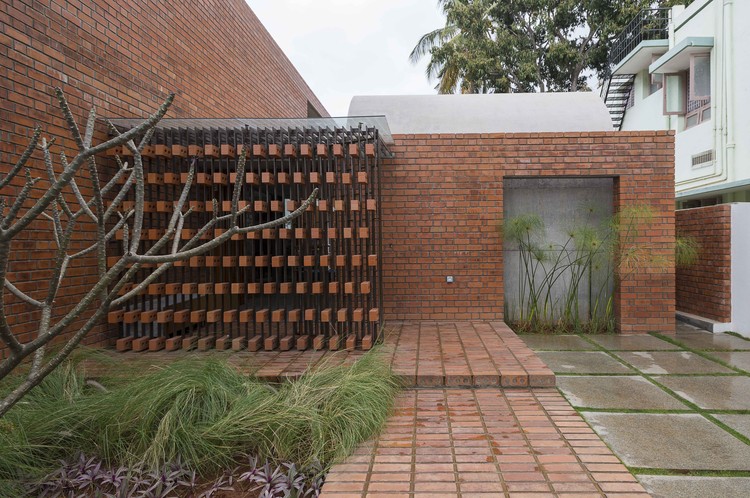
(64, 218)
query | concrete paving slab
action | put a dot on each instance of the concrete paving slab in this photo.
(713, 393)
(695, 487)
(672, 441)
(739, 359)
(671, 362)
(623, 392)
(582, 362)
(702, 340)
(633, 342)
(541, 342)
(740, 423)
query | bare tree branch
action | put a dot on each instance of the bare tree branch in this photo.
(20, 200)
(20, 295)
(197, 251)
(76, 191)
(105, 292)
(177, 213)
(23, 159)
(123, 168)
(54, 191)
(120, 223)
(6, 335)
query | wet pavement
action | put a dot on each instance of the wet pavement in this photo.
(696, 487)
(583, 362)
(666, 406)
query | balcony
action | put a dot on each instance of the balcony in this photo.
(645, 36)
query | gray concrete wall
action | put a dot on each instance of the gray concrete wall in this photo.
(564, 204)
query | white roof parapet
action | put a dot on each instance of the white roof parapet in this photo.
(487, 113)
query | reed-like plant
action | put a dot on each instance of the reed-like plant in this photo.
(568, 286)
(687, 251)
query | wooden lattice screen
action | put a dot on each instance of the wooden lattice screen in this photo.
(313, 283)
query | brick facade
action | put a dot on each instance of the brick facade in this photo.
(443, 197)
(124, 57)
(705, 288)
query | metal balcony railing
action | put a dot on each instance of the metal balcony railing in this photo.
(648, 24)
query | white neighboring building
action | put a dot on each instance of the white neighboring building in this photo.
(688, 69)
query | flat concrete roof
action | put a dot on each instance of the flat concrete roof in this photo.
(487, 113)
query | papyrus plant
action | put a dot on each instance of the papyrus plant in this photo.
(553, 278)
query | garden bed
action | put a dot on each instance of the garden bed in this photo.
(196, 422)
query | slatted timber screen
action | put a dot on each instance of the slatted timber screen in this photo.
(314, 283)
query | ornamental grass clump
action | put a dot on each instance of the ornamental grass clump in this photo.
(322, 416)
(200, 412)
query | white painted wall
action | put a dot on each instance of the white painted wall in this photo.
(741, 268)
(696, 20)
(646, 114)
(693, 141)
(727, 132)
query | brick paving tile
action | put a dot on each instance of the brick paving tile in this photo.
(488, 442)
(575, 487)
(424, 354)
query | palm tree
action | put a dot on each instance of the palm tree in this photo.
(467, 22)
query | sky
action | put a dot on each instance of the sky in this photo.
(344, 48)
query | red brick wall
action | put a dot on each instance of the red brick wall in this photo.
(443, 197)
(705, 288)
(124, 57)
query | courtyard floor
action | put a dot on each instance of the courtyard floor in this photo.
(481, 416)
(675, 410)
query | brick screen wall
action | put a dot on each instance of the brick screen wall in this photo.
(705, 288)
(443, 197)
(124, 56)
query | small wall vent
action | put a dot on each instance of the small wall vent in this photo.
(703, 159)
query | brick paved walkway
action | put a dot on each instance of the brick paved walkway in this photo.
(425, 354)
(483, 442)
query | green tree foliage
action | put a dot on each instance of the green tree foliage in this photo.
(524, 45)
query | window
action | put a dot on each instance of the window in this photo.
(656, 80)
(699, 90)
(689, 93)
(674, 94)
(700, 77)
(695, 203)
